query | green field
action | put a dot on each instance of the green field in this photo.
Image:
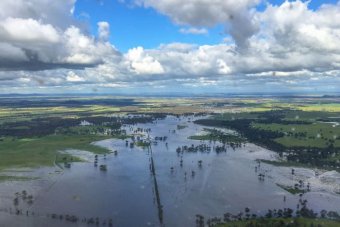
(15, 178)
(25, 114)
(44, 151)
(35, 129)
(316, 134)
(292, 190)
(306, 130)
(217, 135)
(329, 107)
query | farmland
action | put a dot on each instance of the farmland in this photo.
(285, 123)
(265, 147)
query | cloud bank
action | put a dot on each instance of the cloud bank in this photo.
(287, 45)
(40, 34)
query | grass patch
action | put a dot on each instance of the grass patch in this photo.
(143, 144)
(19, 153)
(319, 135)
(66, 158)
(16, 178)
(329, 107)
(180, 127)
(217, 135)
(285, 163)
(291, 190)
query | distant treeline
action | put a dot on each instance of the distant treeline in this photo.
(307, 155)
(243, 126)
(67, 102)
(48, 125)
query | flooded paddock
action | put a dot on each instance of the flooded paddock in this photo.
(127, 195)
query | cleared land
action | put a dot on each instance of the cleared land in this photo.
(316, 134)
(306, 131)
(44, 151)
(34, 129)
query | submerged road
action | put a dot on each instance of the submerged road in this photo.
(158, 199)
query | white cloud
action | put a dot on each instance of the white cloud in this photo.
(285, 45)
(194, 31)
(82, 49)
(235, 15)
(293, 41)
(11, 53)
(141, 62)
(73, 77)
(20, 30)
(199, 12)
(57, 13)
(178, 47)
(103, 31)
(42, 34)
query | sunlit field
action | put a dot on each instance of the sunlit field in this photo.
(286, 147)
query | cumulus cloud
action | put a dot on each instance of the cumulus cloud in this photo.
(73, 77)
(40, 34)
(291, 39)
(58, 13)
(141, 62)
(294, 37)
(103, 31)
(237, 16)
(10, 53)
(283, 45)
(18, 30)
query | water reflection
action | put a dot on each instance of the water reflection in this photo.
(188, 184)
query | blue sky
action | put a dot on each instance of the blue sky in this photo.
(138, 46)
(133, 26)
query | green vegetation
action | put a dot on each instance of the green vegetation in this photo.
(282, 222)
(292, 190)
(33, 129)
(305, 131)
(322, 107)
(180, 127)
(218, 135)
(43, 151)
(142, 144)
(15, 178)
(284, 163)
(238, 115)
(8, 114)
(320, 135)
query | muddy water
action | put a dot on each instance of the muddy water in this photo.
(226, 182)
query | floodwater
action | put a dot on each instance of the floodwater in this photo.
(126, 193)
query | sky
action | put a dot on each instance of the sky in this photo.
(169, 46)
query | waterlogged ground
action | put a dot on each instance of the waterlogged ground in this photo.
(226, 182)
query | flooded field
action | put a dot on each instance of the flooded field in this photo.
(158, 186)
